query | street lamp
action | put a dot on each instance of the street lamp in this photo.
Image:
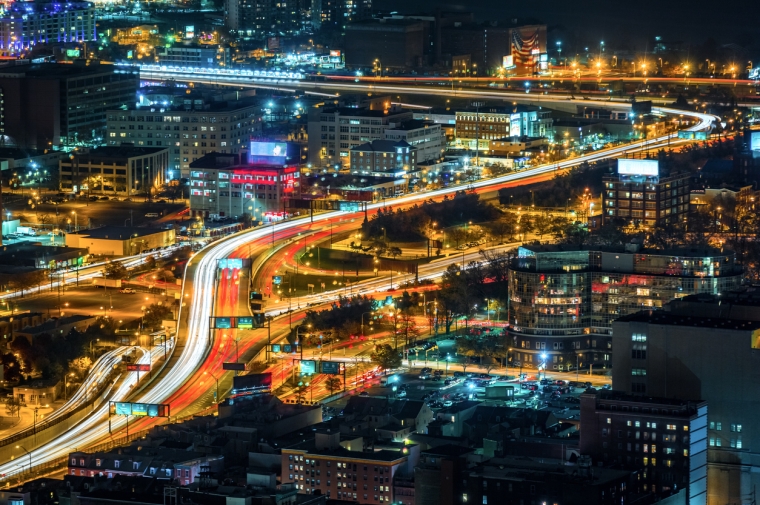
(543, 356)
(30, 456)
(76, 220)
(363, 314)
(217, 384)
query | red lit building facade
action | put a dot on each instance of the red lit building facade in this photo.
(228, 185)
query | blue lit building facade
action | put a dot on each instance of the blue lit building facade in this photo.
(26, 24)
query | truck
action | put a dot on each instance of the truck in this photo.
(25, 230)
(106, 283)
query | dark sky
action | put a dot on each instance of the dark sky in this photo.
(690, 21)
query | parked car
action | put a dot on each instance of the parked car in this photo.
(128, 291)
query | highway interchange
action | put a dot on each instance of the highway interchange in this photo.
(199, 350)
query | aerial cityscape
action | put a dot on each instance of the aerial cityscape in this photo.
(326, 252)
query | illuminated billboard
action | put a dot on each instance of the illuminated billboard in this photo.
(647, 168)
(754, 141)
(508, 61)
(140, 409)
(277, 149)
(514, 125)
(138, 367)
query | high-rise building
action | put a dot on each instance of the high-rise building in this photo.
(189, 131)
(702, 347)
(334, 129)
(387, 43)
(339, 12)
(25, 24)
(50, 104)
(563, 299)
(261, 18)
(663, 438)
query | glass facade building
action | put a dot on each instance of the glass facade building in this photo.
(562, 301)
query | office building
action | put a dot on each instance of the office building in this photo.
(124, 170)
(664, 439)
(702, 347)
(194, 55)
(334, 129)
(563, 299)
(394, 43)
(26, 24)
(487, 124)
(646, 200)
(426, 137)
(231, 185)
(384, 157)
(189, 130)
(260, 18)
(52, 104)
(338, 12)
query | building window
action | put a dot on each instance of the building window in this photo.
(638, 371)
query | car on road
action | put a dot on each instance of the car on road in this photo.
(424, 375)
(448, 403)
(151, 214)
(462, 247)
(128, 291)
(401, 393)
(363, 393)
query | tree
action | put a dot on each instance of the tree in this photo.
(13, 407)
(11, 366)
(333, 384)
(394, 251)
(457, 235)
(542, 225)
(386, 357)
(300, 394)
(27, 280)
(407, 326)
(115, 270)
(155, 313)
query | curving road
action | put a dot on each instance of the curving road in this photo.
(201, 285)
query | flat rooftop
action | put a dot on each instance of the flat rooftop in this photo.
(668, 319)
(118, 232)
(55, 70)
(120, 153)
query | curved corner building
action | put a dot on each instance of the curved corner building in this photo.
(563, 299)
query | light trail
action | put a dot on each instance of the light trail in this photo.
(200, 279)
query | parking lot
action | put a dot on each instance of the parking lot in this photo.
(440, 391)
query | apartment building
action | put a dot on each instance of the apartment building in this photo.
(188, 131)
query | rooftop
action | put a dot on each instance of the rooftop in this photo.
(55, 70)
(362, 111)
(382, 146)
(665, 318)
(309, 446)
(621, 396)
(55, 323)
(412, 124)
(119, 153)
(118, 232)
